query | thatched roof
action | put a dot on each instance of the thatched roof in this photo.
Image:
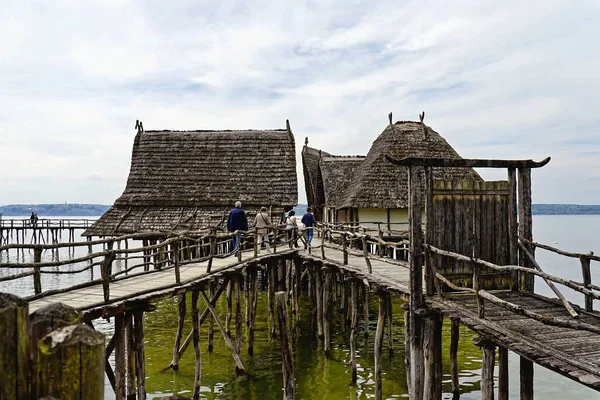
(379, 184)
(312, 182)
(188, 178)
(336, 174)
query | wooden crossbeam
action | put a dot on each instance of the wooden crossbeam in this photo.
(466, 162)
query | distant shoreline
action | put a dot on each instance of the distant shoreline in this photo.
(96, 210)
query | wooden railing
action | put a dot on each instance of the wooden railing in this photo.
(75, 223)
(590, 291)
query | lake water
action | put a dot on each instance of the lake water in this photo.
(317, 377)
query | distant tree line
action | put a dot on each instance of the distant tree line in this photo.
(564, 209)
(54, 210)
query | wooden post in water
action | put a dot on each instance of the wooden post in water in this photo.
(14, 348)
(271, 296)
(211, 320)
(180, 322)
(229, 307)
(238, 314)
(252, 325)
(326, 316)
(454, 336)
(353, 330)
(416, 282)
(487, 367)
(432, 351)
(196, 340)
(502, 373)
(140, 356)
(71, 364)
(37, 271)
(379, 345)
(130, 391)
(319, 302)
(289, 378)
(120, 357)
(365, 298)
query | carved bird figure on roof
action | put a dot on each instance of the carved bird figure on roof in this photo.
(390, 117)
(306, 141)
(422, 117)
(139, 126)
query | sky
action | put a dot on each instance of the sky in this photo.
(509, 79)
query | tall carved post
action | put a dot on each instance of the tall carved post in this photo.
(379, 344)
(415, 322)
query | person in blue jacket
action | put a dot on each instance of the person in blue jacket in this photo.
(308, 220)
(237, 221)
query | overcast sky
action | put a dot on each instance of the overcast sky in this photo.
(502, 79)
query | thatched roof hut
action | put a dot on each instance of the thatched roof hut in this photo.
(188, 180)
(371, 182)
(378, 184)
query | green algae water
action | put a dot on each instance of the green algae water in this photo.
(316, 376)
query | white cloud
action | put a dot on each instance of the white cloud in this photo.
(510, 80)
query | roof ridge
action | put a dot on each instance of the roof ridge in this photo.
(216, 130)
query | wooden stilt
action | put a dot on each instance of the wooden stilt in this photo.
(487, 367)
(211, 320)
(454, 336)
(319, 301)
(379, 344)
(238, 314)
(526, 374)
(140, 356)
(407, 347)
(365, 298)
(297, 288)
(271, 294)
(353, 330)
(239, 367)
(120, 357)
(432, 344)
(252, 325)
(286, 348)
(130, 391)
(229, 307)
(180, 322)
(196, 340)
(502, 373)
(390, 330)
(326, 316)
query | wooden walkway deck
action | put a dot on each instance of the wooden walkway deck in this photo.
(572, 353)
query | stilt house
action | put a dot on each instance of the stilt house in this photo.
(369, 190)
(189, 180)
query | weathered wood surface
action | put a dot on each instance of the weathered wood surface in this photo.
(573, 353)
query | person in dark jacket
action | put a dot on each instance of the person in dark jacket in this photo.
(308, 220)
(237, 221)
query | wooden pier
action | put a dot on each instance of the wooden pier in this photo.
(44, 230)
(472, 264)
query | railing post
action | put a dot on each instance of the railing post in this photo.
(324, 233)
(106, 269)
(239, 252)
(480, 305)
(275, 234)
(345, 247)
(255, 242)
(366, 253)
(175, 258)
(37, 271)
(212, 248)
(587, 281)
(380, 244)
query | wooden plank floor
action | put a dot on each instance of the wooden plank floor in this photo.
(573, 353)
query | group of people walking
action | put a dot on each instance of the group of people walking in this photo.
(237, 223)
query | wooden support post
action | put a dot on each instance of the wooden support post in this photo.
(365, 298)
(140, 356)
(106, 270)
(379, 345)
(71, 364)
(196, 340)
(256, 249)
(365, 249)
(297, 288)
(323, 243)
(487, 367)
(130, 392)
(238, 314)
(239, 367)
(527, 280)
(275, 238)
(211, 320)
(120, 357)
(229, 307)
(319, 302)
(587, 281)
(326, 316)
(46, 320)
(271, 296)
(513, 234)
(454, 336)
(405, 307)
(432, 352)
(502, 373)
(429, 231)
(289, 378)
(37, 271)
(416, 281)
(180, 322)
(14, 348)
(345, 248)
(479, 299)
(252, 325)
(353, 330)
(390, 327)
